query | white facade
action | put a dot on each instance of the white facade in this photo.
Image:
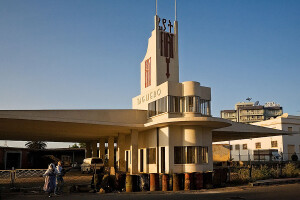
(286, 145)
(168, 100)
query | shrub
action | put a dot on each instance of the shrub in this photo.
(290, 170)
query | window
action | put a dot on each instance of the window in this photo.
(274, 144)
(230, 147)
(189, 104)
(245, 146)
(174, 104)
(151, 156)
(179, 153)
(204, 155)
(190, 155)
(157, 107)
(290, 129)
(258, 145)
(237, 147)
(152, 109)
(196, 104)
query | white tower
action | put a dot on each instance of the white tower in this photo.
(160, 63)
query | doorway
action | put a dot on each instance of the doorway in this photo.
(13, 160)
(141, 160)
(163, 159)
(127, 158)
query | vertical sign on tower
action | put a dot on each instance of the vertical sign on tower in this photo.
(166, 43)
(148, 72)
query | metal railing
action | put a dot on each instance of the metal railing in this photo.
(33, 179)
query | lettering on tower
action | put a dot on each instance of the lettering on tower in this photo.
(166, 42)
(148, 72)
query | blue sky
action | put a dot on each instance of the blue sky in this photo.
(86, 54)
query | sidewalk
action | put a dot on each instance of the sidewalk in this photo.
(275, 181)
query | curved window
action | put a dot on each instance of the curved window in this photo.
(177, 104)
(190, 154)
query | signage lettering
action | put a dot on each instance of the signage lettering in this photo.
(149, 96)
(164, 26)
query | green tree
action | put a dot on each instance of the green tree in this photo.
(36, 145)
(74, 146)
(82, 145)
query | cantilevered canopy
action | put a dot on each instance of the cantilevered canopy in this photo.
(68, 125)
(87, 125)
(244, 131)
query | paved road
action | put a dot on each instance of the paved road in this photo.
(280, 192)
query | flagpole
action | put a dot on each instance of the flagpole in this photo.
(155, 7)
(175, 11)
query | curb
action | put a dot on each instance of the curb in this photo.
(275, 181)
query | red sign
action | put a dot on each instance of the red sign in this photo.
(148, 72)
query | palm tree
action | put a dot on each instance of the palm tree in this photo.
(74, 146)
(82, 145)
(36, 145)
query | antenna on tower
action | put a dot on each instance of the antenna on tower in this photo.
(155, 7)
(175, 11)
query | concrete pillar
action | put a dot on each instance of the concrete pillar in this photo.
(111, 152)
(121, 152)
(102, 148)
(88, 151)
(94, 149)
(134, 152)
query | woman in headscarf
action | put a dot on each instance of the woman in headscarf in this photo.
(50, 179)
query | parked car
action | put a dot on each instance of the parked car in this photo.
(90, 164)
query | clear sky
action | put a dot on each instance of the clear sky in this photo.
(86, 54)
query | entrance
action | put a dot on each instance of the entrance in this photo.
(127, 158)
(13, 159)
(141, 160)
(163, 159)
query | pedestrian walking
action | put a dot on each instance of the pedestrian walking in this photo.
(50, 179)
(59, 178)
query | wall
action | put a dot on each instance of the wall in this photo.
(221, 152)
(190, 136)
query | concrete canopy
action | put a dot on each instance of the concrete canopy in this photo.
(68, 125)
(88, 125)
(244, 131)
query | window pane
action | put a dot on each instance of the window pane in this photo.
(204, 155)
(178, 155)
(151, 156)
(191, 155)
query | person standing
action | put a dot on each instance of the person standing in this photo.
(59, 178)
(50, 182)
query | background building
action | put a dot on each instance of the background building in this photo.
(267, 148)
(249, 112)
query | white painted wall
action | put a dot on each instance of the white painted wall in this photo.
(281, 123)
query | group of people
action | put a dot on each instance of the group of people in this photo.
(54, 179)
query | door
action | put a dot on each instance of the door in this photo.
(127, 160)
(13, 160)
(291, 151)
(163, 159)
(141, 160)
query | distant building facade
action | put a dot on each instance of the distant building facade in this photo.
(250, 112)
(266, 148)
(25, 158)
